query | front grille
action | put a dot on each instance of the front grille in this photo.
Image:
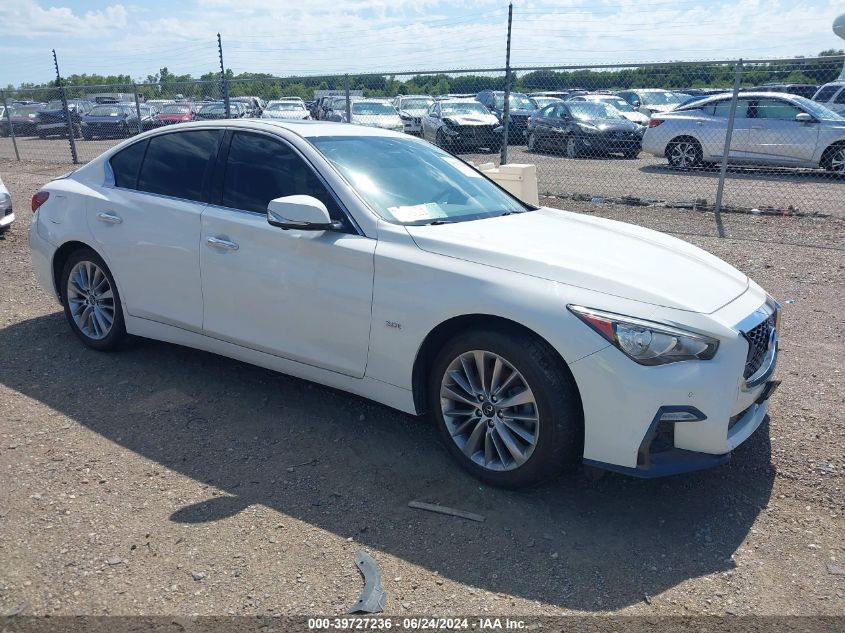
(53, 117)
(758, 344)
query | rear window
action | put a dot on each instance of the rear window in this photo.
(125, 165)
(175, 163)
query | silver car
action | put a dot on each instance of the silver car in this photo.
(6, 215)
(771, 128)
(412, 109)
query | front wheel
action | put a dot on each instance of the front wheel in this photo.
(91, 301)
(506, 407)
(571, 147)
(835, 161)
(531, 142)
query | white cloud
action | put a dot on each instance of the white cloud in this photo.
(26, 18)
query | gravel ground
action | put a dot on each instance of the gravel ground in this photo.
(163, 480)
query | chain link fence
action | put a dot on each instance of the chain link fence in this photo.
(650, 135)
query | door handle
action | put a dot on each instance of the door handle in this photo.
(109, 218)
(699, 122)
(757, 127)
(216, 242)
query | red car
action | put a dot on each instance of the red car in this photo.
(176, 113)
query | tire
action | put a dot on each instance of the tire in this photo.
(87, 135)
(76, 130)
(684, 153)
(42, 136)
(834, 159)
(631, 154)
(439, 139)
(531, 142)
(555, 403)
(86, 267)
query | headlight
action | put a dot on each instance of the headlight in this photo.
(647, 342)
(586, 127)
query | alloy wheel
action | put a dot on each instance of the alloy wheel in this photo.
(532, 142)
(490, 410)
(684, 154)
(837, 161)
(91, 300)
(571, 148)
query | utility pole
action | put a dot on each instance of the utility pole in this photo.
(61, 86)
(723, 169)
(223, 81)
(506, 110)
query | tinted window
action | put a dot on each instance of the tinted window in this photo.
(260, 169)
(722, 109)
(775, 109)
(840, 98)
(824, 95)
(175, 163)
(125, 165)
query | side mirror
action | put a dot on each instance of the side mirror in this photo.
(803, 117)
(303, 213)
(636, 104)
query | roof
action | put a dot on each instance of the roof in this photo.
(300, 127)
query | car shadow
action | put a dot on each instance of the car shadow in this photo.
(773, 174)
(350, 467)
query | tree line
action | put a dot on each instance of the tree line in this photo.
(167, 85)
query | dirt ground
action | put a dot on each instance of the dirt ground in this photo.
(163, 480)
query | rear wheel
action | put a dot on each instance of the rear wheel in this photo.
(834, 160)
(506, 407)
(91, 301)
(684, 154)
(632, 153)
(571, 147)
(532, 142)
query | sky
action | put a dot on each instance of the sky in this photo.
(293, 37)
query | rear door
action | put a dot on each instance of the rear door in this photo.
(147, 224)
(712, 127)
(777, 136)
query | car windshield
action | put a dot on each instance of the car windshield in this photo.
(469, 107)
(818, 110)
(413, 182)
(587, 110)
(415, 104)
(54, 105)
(542, 102)
(516, 102)
(285, 105)
(372, 107)
(110, 110)
(175, 109)
(662, 98)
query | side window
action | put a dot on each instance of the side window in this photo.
(722, 109)
(630, 97)
(548, 111)
(776, 109)
(126, 163)
(840, 98)
(175, 163)
(824, 95)
(260, 168)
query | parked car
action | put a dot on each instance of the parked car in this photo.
(519, 109)
(776, 129)
(372, 112)
(23, 120)
(175, 113)
(652, 100)
(7, 215)
(625, 108)
(51, 121)
(118, 120)
(213, 110)
(384, 266)
(412, 109)
(832, 96)
(334, 109)
(584, 128)
(802, 90)
(461, 125)
(254, 106)
(286, 109)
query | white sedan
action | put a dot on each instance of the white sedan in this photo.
(376, 263)
(7, 216)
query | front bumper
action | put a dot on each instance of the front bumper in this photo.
(609, 145)
(623, 402)
(412, 125)
(6, 220)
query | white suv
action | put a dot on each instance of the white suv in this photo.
(832, 96)
(771, 128)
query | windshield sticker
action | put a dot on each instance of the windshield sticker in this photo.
(413, 213)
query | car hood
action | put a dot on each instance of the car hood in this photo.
(661, 108)
(606, 256)
(636, 117)
(472, 119)
(377, 120)
(103, 119)
(284, 114)
(611, 125)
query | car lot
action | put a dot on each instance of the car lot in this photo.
(165, 480)
(647, 178)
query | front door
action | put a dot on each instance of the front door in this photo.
(302, 295)
(777, 136)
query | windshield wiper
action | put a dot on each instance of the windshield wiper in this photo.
(436, 222)
(501, 215)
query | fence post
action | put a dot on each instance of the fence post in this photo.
(11, 127)
(66, 110)
(137, 107)
(225, 83)
(720, 189)
(506, 111)
(348, 103)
